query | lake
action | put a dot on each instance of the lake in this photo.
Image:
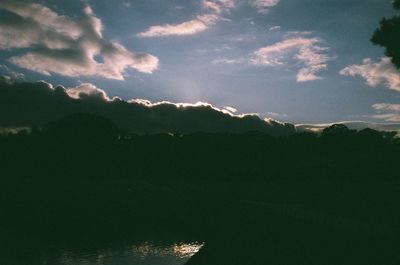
(146, 253)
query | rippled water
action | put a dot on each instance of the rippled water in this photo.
(141, 254)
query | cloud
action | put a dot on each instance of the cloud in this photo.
(263, 6)
(215, 10)
(376, 73)
(274, 28)
(218, 6)
(391, 112)
(87, 89)
(230, 109)
(387, 112)
(29, 104)
(227, 61)
(275, 114)
(127, 4)
(354, 125)
(199, 24)
(214, 6)
(390, 117)
(314, 58)
(62, 45)
(304, 50)
(9, 74)
(387, 106)
(273, 54)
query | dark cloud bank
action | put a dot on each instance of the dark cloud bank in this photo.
(36, 104)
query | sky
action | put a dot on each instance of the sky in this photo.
(298, 61)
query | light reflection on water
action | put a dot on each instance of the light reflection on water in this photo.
(142, 254)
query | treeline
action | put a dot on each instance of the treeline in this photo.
(89, 146)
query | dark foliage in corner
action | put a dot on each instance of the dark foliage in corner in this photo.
(396, 4)
(388, 36)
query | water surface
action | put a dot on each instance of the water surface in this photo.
(141, 254)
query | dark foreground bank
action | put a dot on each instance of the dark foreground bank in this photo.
(241, 222)
(81, 183)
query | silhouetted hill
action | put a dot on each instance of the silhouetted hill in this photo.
(88, 145)
(353, 125)
(83, 126)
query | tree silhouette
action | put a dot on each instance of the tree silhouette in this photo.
(83, 126)
(336, 130)
(396, 4)
(388, 36)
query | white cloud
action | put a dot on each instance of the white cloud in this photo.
(227, 3)
(10, 74)
(263, 6)
(214, 6)
(392, 115)
(275, 28)
(275, 114)
(387, 106)
(66, 46)
(376, 73)
(306, 51)
(315, 60)
(218, 6)
(230, 109)
(199, 24)
(273, 54)
(221, 6)
(87, 89)
(227, 61)
(215, 10)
